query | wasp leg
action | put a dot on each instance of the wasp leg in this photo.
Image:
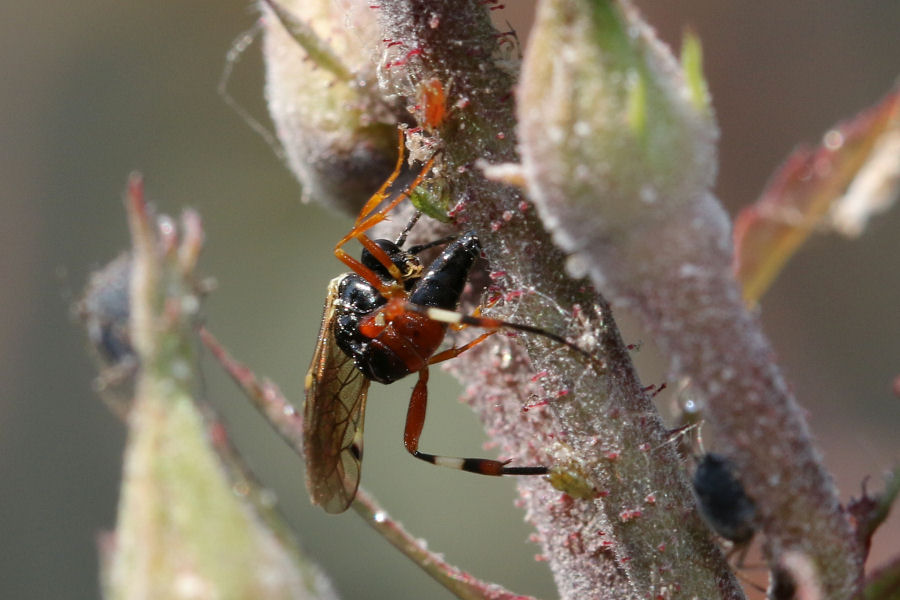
(364, 223)
(382, 257)
(475, 314)
(457, 350)
(380, 195)
(457, 319)
(367, 273)
(415, 421)
(367, 219)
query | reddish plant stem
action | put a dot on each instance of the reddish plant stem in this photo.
(288, 423)
(692, 305)
(643, 538)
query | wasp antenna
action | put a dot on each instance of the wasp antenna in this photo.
(422, 247)
(401, 239)
(549, 335)
(679, 432)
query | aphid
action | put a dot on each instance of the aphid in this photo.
(431, 102)
(781, 585)
(568, 475)
(382, 322)
(104, 310)
(722, 501)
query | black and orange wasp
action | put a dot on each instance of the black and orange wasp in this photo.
(383, 321)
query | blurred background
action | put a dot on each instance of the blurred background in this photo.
(94, 89)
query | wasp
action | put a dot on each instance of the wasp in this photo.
(384, 320)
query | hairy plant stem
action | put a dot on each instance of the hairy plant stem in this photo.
(180, 526)
(619, 158)
(288, 423)
(696, 313)
(641, 538)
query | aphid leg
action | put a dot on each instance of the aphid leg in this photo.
(737, 556)
(740, 567)
(739, 572)
(415, 421)
(232, 57)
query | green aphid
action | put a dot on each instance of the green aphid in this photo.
(432, 198)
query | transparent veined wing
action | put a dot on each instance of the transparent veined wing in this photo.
(333, 418)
